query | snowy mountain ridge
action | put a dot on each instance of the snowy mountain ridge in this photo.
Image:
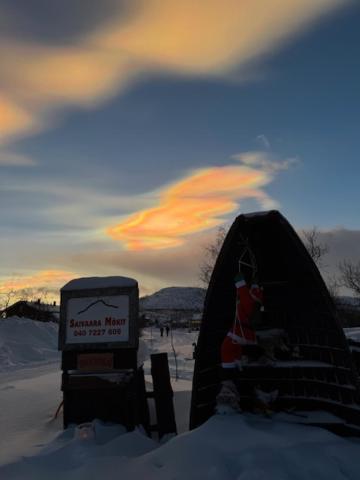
(174, 298)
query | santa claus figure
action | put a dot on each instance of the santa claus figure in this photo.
(248, 301)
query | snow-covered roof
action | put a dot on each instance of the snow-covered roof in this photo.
(257, 214)
(48, 307)
(88, 283)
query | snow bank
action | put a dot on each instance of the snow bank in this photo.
(239, 447)
(24, 342)
(353, 333)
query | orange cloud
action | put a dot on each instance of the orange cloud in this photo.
(13, 118)
(209, 37)
(185, 37)
(44, 279)
(195, 203)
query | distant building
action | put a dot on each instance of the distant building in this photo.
(195, 321)
(33, 310)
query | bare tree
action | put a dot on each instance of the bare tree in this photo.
(211, 253)
(350, 276)
(6, 298)
(33, 294)
(316, 249)
(333, 285)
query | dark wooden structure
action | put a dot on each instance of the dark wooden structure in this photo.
(163, 395)
(296, 300)
(33, 310)
(121, 397)
(355, 352)
(102, 377)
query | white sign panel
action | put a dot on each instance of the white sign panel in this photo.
(97, 319)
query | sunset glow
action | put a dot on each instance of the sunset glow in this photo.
(44, 279)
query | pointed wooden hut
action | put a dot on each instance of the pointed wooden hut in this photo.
(296, 300)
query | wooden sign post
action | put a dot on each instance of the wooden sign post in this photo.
(99, 340)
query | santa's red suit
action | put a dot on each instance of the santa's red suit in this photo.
(241, 333)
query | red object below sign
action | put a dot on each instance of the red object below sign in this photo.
(95, 361)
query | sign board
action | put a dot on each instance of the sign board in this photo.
(95, 361)
(99, 313)
(97, 320)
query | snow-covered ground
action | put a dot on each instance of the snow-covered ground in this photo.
(29, 385)
(182, 382)
(233, 447)
(182, 342)
(240, 447)
(25, 342)
(353, 333)
(30, 381)
(28, 402)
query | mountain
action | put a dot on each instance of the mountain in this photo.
(175, 298)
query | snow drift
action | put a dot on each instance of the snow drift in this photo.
(25, 342)
(240, 447)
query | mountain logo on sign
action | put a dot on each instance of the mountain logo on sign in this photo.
(95, 303)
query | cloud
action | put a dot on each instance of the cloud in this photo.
(8, 159)
(44, 279)
(31, 200)
(268, 163)
(264, 141)
(198, 202)
(15, 118)
(179, 266)
(212, 36)
(342, 243)
(194, 38)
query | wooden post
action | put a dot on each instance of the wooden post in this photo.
(163, 394)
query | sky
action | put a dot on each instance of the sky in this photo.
(131, 130)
